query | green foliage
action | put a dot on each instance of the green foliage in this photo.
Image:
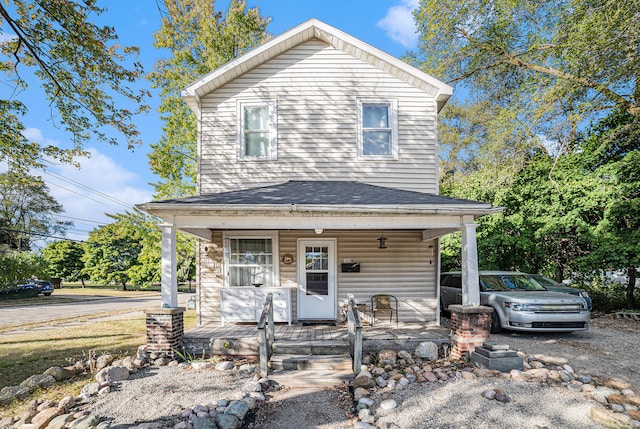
(19, 266)
(200, 39)
(83, 73)
(545, 67)
(64, 260)
(128, 251)
(606, 296)
(26, 210)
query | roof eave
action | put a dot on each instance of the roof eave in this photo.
(426, 209)
(308, 30)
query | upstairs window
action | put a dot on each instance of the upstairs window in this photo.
(257, 130)
(377, 129)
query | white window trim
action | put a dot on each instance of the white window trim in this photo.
(273, 235)
(393, 123)
(273, 131)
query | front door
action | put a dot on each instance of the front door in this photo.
(317, 279)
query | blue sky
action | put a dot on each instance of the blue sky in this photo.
(115, 178)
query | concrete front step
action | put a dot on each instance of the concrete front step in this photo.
(311, 378)
(303, 362)
(326, 347)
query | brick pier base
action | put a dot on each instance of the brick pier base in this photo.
(470, 328)
(165, 329)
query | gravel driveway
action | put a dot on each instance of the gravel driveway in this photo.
(609, 349)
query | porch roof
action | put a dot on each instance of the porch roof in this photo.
(327, 196)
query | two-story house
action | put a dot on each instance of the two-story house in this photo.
(317, 178)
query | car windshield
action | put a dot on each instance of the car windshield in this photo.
(506, 282)
(546, 281)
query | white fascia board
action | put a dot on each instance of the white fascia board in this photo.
(312, 222)
(474, 210)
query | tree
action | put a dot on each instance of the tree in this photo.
(610, 153)
(84, 75)
(19, 266)
(200, 39)
(109, 254)
(548, 66)
(26, 210)
(64, 260)
(129, 251)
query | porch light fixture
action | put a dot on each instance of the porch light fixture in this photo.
(318, 231)
(382, 240)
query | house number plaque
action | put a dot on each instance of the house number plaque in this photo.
(287, 258)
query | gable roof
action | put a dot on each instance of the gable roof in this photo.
(309, 30)
(300, 195)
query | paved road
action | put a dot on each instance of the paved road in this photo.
(83, 307)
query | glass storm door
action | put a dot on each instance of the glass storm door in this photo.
(316, 279)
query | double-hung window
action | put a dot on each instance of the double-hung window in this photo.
(377, 129)
(257, 136)
(251, 260)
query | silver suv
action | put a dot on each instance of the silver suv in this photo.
(519, 302)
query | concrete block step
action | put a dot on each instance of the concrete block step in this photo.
(302, 362)
(311, 378)
(327, 347)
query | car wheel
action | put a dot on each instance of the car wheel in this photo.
(47, 294)
(495, 323)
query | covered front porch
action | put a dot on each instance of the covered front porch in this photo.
(242, 339)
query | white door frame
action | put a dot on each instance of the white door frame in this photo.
(325, 310)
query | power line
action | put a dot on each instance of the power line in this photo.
(84, 187)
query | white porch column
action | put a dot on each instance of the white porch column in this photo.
(470, 276)
(169, 276)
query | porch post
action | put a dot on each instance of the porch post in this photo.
(470, 276)
(169, 276)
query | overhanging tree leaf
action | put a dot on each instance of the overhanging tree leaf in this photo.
(85, 74)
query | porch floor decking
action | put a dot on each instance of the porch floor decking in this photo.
(242, 339)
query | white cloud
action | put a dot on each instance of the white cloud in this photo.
(399, 24)
(7, 37)
(101, 185)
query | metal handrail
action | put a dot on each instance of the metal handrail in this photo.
(266, 335)
(354, 326)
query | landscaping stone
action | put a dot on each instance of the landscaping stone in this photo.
(60, 373)
(67, 402)
(204, 423)
(227, 421)
(90, 389)
(387, 357)
(39, 380)
(238, 409)
(617, 384)
(225, 366)
(86, 422)
(427, 350)
(9, 393)
(59, 422)
(201, 365)
(364, 379)
(388, 404)
(112, 374)
(103, 361)
(610, 419)
(42, 419)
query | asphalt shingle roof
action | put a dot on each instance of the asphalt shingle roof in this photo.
(339, 193)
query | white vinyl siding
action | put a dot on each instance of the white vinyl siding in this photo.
(405, 269)
(257, 130)
(377, 129)
(317, 88)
